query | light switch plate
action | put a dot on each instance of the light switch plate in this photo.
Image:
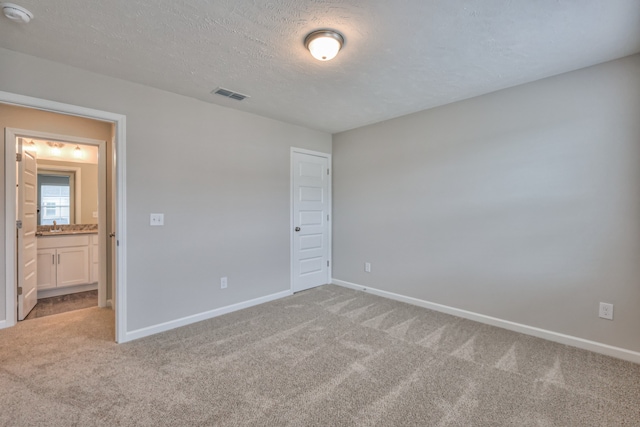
(156, 219)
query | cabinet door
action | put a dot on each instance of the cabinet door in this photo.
(95, 257)
(47, 268)
(73, 266)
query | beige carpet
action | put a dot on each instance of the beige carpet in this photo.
(325, 357)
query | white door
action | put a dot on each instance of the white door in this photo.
(27, 245)
(311, 206)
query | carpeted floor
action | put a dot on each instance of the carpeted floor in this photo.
(326, 357)
(63, 303)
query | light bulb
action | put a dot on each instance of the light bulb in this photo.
(77, 153)
(55, 150)
(324, 48)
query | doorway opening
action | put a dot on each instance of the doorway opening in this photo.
(72, 209)
(67, 261)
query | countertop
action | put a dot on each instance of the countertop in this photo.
(64, 232)
(66, 229)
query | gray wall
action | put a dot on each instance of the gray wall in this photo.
(221, 177)
(523, 204)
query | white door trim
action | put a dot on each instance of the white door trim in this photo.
(119, 147)
(12, 133)
(291, 218)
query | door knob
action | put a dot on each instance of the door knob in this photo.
(297, 228)
(112, 234)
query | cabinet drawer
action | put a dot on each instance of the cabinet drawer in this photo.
(52, 242)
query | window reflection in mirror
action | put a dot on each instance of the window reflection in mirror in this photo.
(56, 197)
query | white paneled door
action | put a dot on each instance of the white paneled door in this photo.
(311, 210)
(27, 219)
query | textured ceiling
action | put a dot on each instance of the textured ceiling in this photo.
(400, 56)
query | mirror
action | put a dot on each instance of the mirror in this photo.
(56, 197)
(67, 192)
(67, 182)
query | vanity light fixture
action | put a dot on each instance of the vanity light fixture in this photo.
(16, 13)
(77, 153)
(56, 147)
(31, 146)
(324, 44)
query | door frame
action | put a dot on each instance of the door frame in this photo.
(119, 153)
(12, 133)
(291, 217)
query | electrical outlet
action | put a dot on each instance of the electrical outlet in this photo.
(367, 267)
(156, 219)
(95, 214)
(223, 283)
(606, 311)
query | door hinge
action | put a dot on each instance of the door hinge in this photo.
(19, 290)
(327, 171)
(327, 263)
(18, 157)
(19, 224)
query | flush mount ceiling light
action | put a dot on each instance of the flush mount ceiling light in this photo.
(324, 44)
(16, 13)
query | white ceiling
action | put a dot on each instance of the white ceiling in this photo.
(400, 56)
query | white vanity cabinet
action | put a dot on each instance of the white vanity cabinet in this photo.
(94, 270)
(64, 261)
(47, 270)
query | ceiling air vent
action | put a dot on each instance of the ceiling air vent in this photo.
(229, 94)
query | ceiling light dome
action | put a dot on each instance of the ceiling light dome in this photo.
(324, 44)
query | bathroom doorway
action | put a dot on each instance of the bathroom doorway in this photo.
(33, 126)
(70, 191)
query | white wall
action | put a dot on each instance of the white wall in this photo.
(221, 177)
(523, 204)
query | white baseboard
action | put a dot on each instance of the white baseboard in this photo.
(617, 352)
(162, 327)
(5, 324)
(109, 303)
